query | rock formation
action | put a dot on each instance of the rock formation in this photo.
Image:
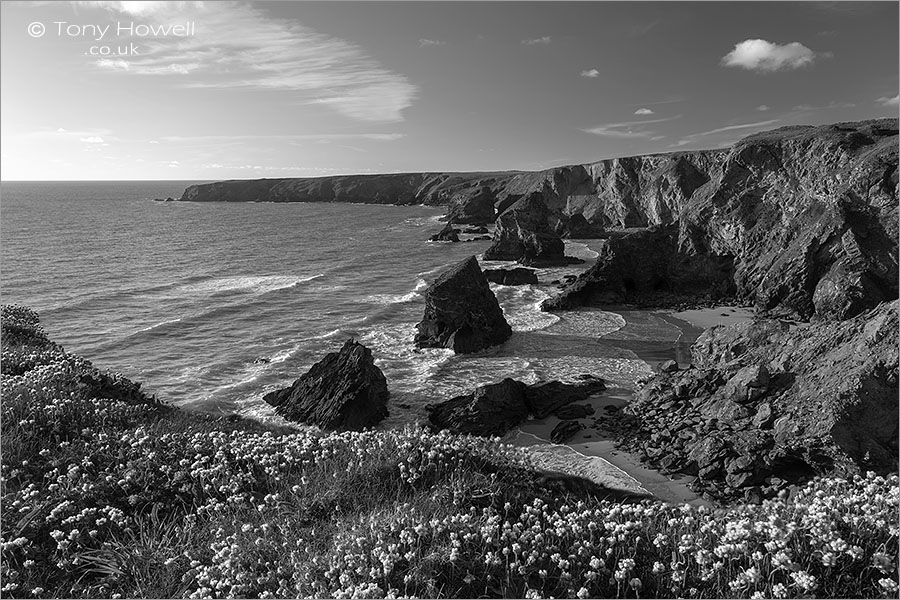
(461, 312)
(447, 234)
(766, 404)
(472, 207)
(640, 264)
(343, 391)
(807, 216)
(496, 408)
(516, 276)
(524, 234)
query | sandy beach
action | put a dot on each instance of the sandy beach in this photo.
(592, 452)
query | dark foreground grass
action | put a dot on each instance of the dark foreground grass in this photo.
(108, 493)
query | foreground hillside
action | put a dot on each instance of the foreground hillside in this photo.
(108, 493)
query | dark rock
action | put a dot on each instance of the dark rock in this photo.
(574, 411)
(476, 230)
(343, 391)
(447, 234)
(496, 408)
(461, 312)
(748, 384)
(545, 397)
(473, 207)
(491, 409)
(524, 234)
(668, 366)
(564, 431)
(517, 276)
(642, 263)
(611, 408)
(834, 413)
(577, 227)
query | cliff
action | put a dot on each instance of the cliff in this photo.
(800, 221)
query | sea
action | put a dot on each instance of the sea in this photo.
(212, 305)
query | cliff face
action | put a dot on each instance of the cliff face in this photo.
(804, 219)
(806, 215)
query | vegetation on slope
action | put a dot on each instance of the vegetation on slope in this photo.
(108, 493)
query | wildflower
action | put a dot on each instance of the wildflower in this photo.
(779, 591)
(888, 585)
(635, 583)
(804, 581)
(583, 593)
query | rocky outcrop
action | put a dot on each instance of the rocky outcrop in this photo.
(807, 215)
(766, 404)
(473, 208)
(524, 234)
(496, 408)
(461, 312)
(447, 234)
(343, 391)
(644, 263)
(516, 276)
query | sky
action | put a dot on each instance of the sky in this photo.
(236, 90)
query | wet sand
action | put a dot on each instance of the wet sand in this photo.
(592, 453)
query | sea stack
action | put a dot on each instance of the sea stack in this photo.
(343, 391)
(461, 312)
(524, 234)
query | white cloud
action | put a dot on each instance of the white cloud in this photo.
(643, 111)
(885, 101)
(240, 46)
(830, 105)
(94, 139)
(762, 108)
(760, 55)
(541, 40)
(426, 42)
(628, 129)
(591, 73)
(694, 137)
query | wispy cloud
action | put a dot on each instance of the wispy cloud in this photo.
(642, 28)
(628, 129)
(378, 137)
(537, 41)
(695, 137)
(766, 57)
(591, 73)
(643, 111)
(828, 106)
(240, 47)
(886, 101)
(426, 42)
(762, 108)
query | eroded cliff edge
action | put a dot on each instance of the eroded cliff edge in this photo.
(799, 221)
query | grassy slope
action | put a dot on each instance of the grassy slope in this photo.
(108, 493)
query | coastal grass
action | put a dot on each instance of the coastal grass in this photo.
(108, 493)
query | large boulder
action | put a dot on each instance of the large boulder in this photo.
(524, 234)
(473, 208)
(496, 408)
(517, 276)
(447, 234)
(343, 391)
(647, 264)
(768, 404)
(461, 312)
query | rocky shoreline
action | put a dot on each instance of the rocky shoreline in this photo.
(799, 223)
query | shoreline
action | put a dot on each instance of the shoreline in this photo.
(592, 452)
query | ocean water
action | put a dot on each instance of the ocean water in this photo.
(211, 305)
